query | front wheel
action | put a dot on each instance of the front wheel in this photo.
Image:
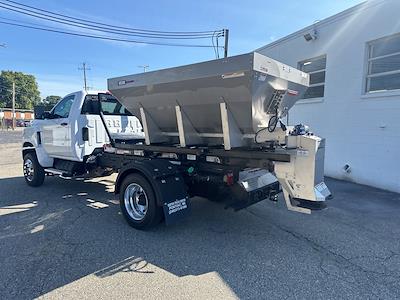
(138, 202)
(33, 172)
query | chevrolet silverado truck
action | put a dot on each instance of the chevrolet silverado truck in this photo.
(64, 141)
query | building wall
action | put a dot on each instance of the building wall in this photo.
(19, 115)
(362, 130)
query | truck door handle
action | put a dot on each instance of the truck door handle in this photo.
(85, 134)
(64, 124)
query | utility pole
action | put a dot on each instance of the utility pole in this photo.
(13, 105)
(84, 68)
(145, 67)
(226, 35)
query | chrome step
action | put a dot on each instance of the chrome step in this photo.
(58, 172)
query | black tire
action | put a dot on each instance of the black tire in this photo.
(153, 214)
(33, 172)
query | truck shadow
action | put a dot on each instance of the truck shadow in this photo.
(56, 235)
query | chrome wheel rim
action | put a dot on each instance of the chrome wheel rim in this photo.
(135, 201)
(28, 169)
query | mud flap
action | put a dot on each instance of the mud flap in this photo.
(176, 202)
(168, 184)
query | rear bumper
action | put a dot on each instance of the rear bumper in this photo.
(242, 198)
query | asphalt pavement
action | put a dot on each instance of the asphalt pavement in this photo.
(67, 239)
(10, 136)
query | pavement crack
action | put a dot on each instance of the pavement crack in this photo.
(344, 263)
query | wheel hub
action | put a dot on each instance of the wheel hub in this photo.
(135, 201)
(28, 169)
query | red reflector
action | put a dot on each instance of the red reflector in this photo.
(229, 178)
(292, 92)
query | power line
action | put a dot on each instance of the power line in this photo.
(29, 23)
(32, 24)
(86, 23)
(111, 29)
(213, 45)
(120, 27)
(105, 37)
(99, 28)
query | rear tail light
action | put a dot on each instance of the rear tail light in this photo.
(229, 178)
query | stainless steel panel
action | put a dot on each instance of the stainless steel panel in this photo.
(319, 163)
(246, 83)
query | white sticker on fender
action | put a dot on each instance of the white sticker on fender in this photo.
(177, 205)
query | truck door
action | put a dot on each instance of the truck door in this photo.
(56, 130)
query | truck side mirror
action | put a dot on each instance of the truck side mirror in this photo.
(46, 115)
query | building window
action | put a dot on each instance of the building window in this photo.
(383, 65)
(316, 67)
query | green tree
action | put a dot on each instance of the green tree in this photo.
(26, 90)
(51, 100)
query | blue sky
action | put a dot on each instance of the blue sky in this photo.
(54, 59)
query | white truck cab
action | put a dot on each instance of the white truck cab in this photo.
(73, 130)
